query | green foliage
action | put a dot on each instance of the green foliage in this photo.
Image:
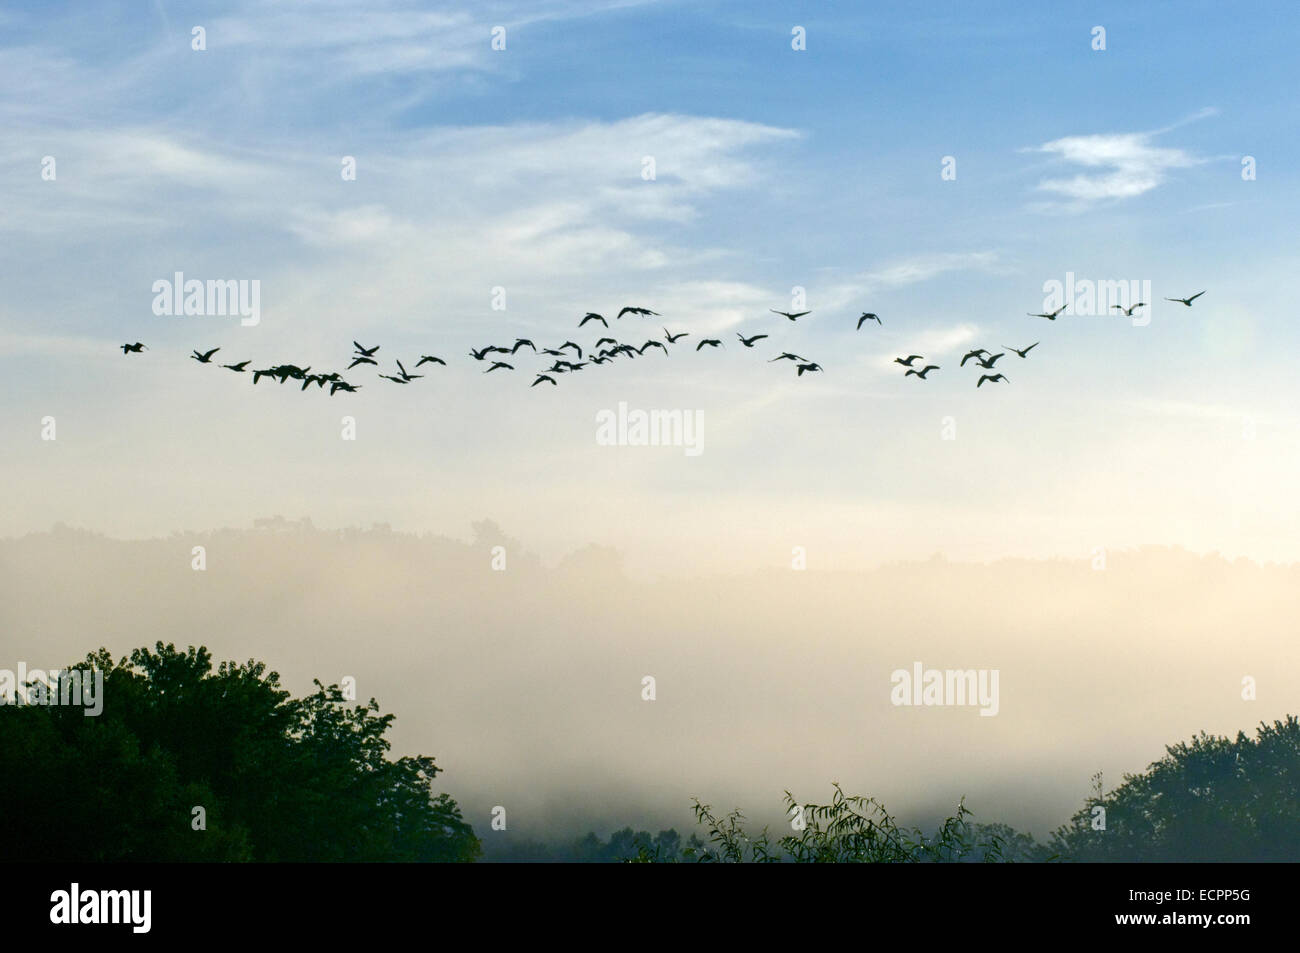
(281, 779)
(1214, 800)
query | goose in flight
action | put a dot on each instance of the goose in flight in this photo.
(907, 362)
(394, 378)
(362, 359)
(406, 376)
(1187, 301)
(659, 344)
(787, 314)
(238, 368)
(988, 362)
(520, 342)
(542, 377)
(429, 359)
(808, 367)
(1128, 312)
(135, 348)
(978, 353)
(479, 355)
(318, 379)
(868, 316)
(496, 364)
(749, 342)
(711, 342)
(266, 372)
(343, 386)
(643, 312)
(992, 378)
(1049, 317)
(572, 345)
(593, 316)
(367, 351)
(923, 371)
(206, 357)
(1026, 350)
(608, 341)
(674, 338)
(787, 356)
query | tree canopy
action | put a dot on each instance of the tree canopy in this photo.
(277, 778)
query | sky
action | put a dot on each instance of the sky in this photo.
(521, 169)
(940, 165)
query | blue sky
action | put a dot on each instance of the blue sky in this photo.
(775, 169)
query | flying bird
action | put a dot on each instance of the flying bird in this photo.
(496, 364)
(992, 378)
(394, 378)
(593, 316)
(572, 345)
(1026, 350)
(749, 342)
(658, 344)
(785, 356)
(607, 341)
(923, 371)
(406, 376)
(540, 378)
(135, 348)
(988, 362)
(711, 342)
(206, 357)
(367, 351)
(1187, 301)
(808, 367)
(868, 316)
(1128, 312)
(787, 314)
(520, 342)
(644, 312)
(362, 359)
(1049, 317)
(978, 353)
(429, 359)
(239, 368)
(907, 362)
(674, 338)
(344, 386)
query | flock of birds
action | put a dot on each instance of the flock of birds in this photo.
(608, 349)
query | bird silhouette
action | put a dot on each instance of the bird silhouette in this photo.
(540, 378)
(787, 356)
(406, 376)
(749, 342)
(496, 364)
(923, 371)
(367, 351)
(988, 362)
(236, 367)
(344, 386)
(206, 357)
(1025, 351)
(674, 338)
(711, 342)
(593, 316)
(659, 344)
(992, 378)
(520, 342)
(429, 358)
(394, 378)
(1049, 317)
(1128, 312)
(1187, 301)
(644, 312)
(787, 314)
(868, 316)
(572, 345)
(479, 355)
(979, 352)
(135, 348)
(908, 361)
(808, 367)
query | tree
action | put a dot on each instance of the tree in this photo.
(278, 779)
